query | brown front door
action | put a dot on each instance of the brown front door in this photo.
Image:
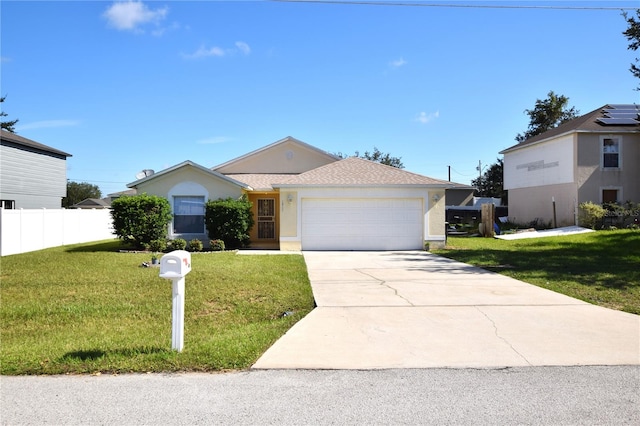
(266, 218)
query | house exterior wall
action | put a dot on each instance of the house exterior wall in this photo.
(291, 223)
(189, 181)
(592, 178)
(548, 163)
(528, 204)
(33, 179)
(288, 157)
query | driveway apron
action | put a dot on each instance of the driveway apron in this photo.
(417, 310)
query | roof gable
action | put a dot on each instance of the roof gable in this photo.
(354, 171)
(585, 123)
(184, 164)
(286, 156)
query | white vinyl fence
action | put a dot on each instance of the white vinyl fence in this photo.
(35, 229)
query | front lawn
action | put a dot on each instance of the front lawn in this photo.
(602, 267)
(88, 309)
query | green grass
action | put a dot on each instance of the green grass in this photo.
(602, 267)
(88, 309)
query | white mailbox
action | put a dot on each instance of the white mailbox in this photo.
(175, 264)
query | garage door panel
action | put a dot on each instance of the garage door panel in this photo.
(362, 224)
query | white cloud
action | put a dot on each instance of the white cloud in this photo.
(213, 140)
(243, 47)
(46, 124)
(204, 52)
(130, 15)
(425, 118)
(397, 63)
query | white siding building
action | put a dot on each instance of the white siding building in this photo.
(32, 175)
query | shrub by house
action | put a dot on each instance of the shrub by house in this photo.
(140, 219)
(229, 220)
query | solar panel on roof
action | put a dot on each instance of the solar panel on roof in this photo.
(621, 111)
(622, 115)
(619, 121)
(624, 106)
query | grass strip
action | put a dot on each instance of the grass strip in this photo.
(89, 308)
(602, 268)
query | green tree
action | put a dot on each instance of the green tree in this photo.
(229, 220)
(378, 157)
(632, 34)
(7, 125)
(140, 219)
(78, 191)
(491, 183)
(547, 114)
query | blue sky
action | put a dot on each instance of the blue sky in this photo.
(126, 86)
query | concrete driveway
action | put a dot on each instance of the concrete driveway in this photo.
(418, 310)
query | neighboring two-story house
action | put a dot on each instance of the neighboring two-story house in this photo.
(32, 175)
(594, 157)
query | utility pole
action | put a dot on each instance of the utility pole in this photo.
(449, 167)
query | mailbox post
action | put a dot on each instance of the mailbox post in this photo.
(175, 266)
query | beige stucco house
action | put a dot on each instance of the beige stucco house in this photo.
(307, 199)
(595, 157)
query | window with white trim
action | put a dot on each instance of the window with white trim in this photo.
(188, 214)
(8, 204)
(610, 148)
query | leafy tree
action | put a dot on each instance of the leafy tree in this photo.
(378, 157)
(633, 35)
(7, 125)
(547, 114)
(491, 184)
(229, 220)
(78, 191)
(140, 219)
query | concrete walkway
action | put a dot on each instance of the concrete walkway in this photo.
(418, 310)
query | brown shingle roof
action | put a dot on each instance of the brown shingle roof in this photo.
(584, 123)
(356, 171)
(19, 140)
(259, 181)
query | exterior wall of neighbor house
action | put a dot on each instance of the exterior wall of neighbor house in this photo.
(290, 218)
(189, 181)
(527, 205)
(537, 175)
(592, 178)
(285, 158)
(32, 178)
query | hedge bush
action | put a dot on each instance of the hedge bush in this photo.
(229, 220)
(216, 245)
(195, 245)
(140, 219)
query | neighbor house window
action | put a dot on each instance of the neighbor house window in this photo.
(609, 196)
(611, 153)
(188, 215)
(8, 204)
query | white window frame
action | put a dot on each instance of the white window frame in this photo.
(618, 138)
(176, 198)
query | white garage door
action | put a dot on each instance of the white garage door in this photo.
(362, 224)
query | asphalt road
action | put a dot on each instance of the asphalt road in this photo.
(521, 395)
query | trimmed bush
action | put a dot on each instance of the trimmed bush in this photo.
(591, 214)
(157, 245)
(230, 221)
(178, 244)
(140, 219)
(195, 245)
(216, 245)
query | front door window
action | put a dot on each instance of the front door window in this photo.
(266, 218)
